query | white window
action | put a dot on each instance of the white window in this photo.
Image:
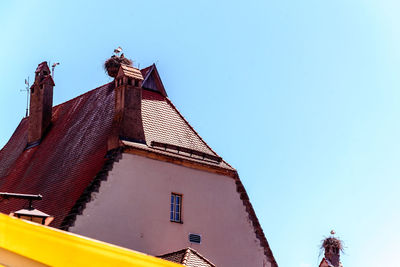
(176, 208)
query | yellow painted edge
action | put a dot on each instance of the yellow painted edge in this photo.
(59, 248)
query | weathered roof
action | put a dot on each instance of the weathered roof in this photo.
(67, 159)
(188, 257)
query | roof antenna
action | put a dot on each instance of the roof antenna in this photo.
(27, 95)
(52, 69)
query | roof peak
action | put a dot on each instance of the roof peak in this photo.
(184, 257)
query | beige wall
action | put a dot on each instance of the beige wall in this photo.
(8, 258)
(132, 209)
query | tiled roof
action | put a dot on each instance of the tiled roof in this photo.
(188, 257)
(163, 123)
(131, 72)
(67, 159)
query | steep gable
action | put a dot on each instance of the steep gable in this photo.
(152, 80)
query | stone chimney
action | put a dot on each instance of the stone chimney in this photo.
(41, 104)
(127, 124)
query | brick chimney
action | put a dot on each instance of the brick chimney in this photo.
(127, 124)
(41, 104)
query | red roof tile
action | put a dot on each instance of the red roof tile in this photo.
(67, 159)
(163, 123)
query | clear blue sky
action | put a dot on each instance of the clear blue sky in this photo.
(302, 97)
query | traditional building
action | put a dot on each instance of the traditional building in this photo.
(121, 164)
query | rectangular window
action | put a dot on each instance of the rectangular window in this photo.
(176, 208)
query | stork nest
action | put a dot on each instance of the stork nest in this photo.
(111, 66)
(332, 242)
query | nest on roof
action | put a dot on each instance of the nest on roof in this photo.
(111, 66)
(332, 242)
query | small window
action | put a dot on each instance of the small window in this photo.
(176, 208)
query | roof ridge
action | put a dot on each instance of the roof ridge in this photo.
(190, 126)
(201, 256)
(151, 67)
(259, 232)
(19, 124)
(185, 256)
(170, 253)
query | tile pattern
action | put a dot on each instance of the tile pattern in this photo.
(188, 257)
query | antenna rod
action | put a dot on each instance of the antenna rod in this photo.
(29, 197)
(53, 67)
(27, 96)
(20, 196)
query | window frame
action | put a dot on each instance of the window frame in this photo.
(173, 207)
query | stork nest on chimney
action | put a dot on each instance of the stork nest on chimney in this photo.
(111, 66)
(332, 242)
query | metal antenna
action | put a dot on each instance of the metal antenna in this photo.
(53, 67)
(27, 95)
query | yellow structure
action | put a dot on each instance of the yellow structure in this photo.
(24, 243)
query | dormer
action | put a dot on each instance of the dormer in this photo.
(152, 80)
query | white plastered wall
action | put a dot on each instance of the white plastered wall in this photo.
(132, 209)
